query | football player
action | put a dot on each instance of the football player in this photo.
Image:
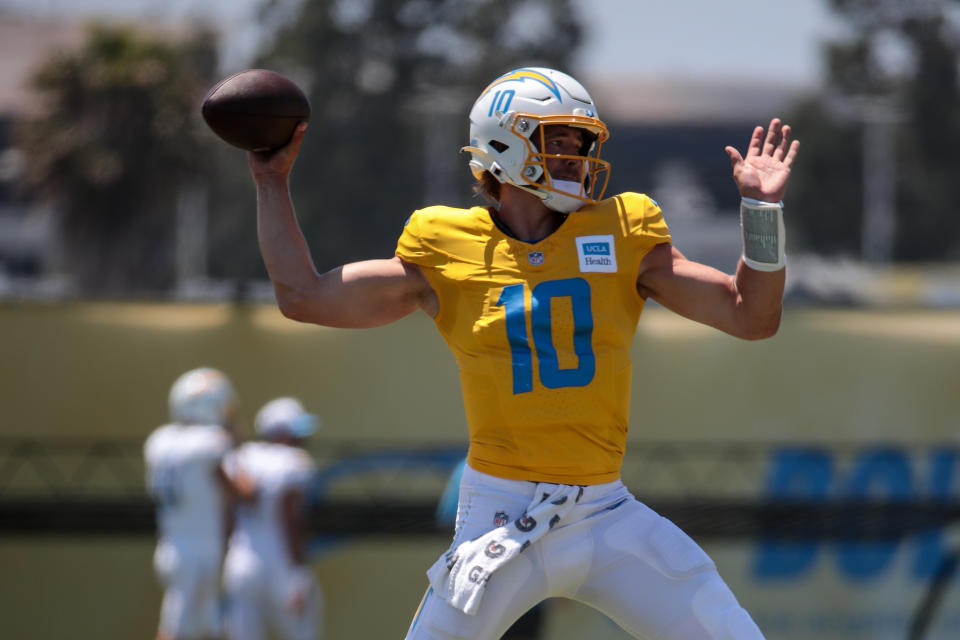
(538, 296)
(268, 581)
(192, 493)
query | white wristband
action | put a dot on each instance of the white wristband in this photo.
(763, 234)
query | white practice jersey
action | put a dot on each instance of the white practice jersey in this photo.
(275, 468)
(181, 476)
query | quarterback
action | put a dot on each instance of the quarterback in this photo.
(538, 296)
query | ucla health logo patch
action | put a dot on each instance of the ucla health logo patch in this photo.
(597, 254)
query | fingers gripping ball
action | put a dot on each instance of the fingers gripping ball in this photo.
(256, 109)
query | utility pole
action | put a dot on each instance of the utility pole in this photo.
(880, 119)
(190, 247)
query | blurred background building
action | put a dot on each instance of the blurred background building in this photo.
(848, 75)
(819, 467)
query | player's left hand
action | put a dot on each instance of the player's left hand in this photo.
(764, 172)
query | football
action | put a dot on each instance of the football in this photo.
(255, 109)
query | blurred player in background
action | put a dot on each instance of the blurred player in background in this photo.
(268, 580)
(538, 296)
(192, 494)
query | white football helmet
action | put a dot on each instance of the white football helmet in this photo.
(285, 416)
(202, 396)
(511, 110)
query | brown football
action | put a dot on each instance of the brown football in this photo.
(255, 109)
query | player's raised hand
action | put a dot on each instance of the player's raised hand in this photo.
(280, 161)
(764, 171)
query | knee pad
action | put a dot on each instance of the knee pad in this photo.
(680, 555)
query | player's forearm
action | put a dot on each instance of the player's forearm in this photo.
(282, 244)
(760, 303)
(761, 273)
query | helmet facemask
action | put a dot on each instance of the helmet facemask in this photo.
(557, 193)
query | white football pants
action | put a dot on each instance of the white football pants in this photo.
(191, 599)
(258, 597)
(629, 563)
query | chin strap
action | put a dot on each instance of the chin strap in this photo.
(763, 233)
(567, 197)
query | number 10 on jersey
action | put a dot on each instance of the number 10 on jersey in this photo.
(512, 299)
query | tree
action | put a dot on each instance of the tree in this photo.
(391, 83)
(825, 201)
(117, 137)
(897, 74)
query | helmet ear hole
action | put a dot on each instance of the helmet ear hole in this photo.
(499, 146)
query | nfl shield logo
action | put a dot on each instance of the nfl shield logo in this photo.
(535, 258)
(500, 518)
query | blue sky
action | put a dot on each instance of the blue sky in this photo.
(762, 40)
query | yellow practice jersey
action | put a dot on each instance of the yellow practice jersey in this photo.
(541, 332)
